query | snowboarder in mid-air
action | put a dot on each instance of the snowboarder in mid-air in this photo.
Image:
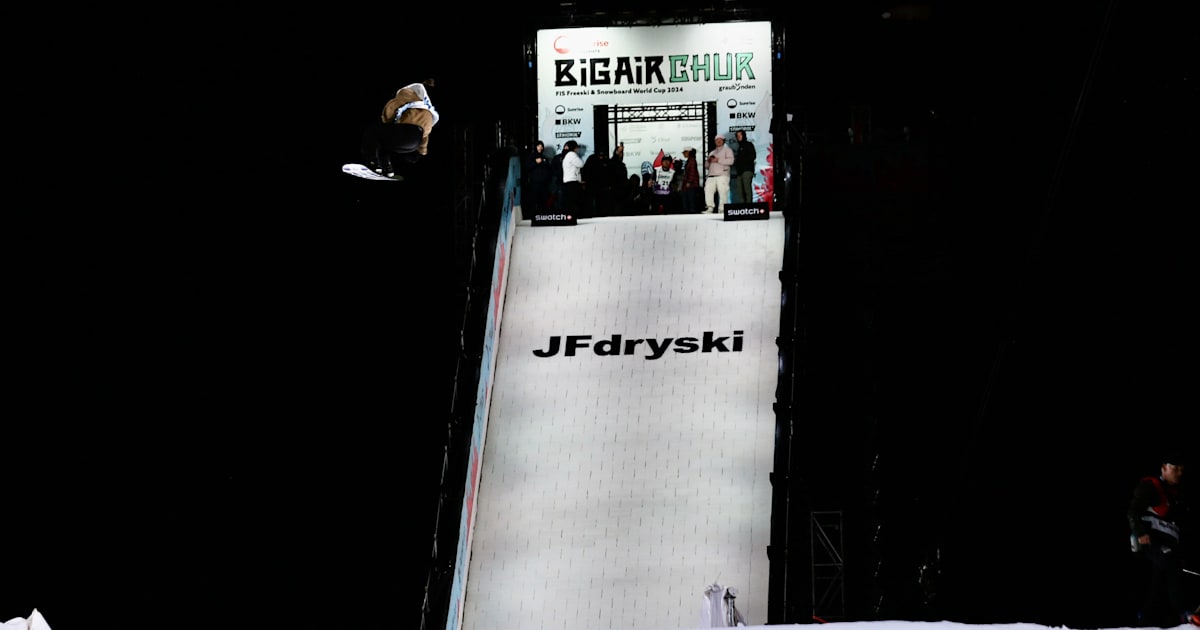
(403, 129)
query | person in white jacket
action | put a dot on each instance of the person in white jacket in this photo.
(717, 179)
(572, 178)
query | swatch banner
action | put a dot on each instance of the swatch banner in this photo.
(553, 218)
(657, 85)
(746, 211)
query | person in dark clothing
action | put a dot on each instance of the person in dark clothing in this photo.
(555, 201)
(618, 181)
(537, 178)
(597, 185)
(743, 166)
(1156, 521)
(631, 190)
(646, 200)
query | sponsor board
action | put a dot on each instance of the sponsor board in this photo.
(747, 211)
(553, 218)
(648, 348)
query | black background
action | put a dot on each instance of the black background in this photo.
(236, 406)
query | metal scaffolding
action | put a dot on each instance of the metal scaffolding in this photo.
(828, 567)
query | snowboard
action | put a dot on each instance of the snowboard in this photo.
(361, 170)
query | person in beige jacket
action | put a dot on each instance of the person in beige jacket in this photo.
(717, 179)
(403, 128)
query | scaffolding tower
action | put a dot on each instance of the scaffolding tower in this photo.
(828, 567)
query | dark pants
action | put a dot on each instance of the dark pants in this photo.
(743, 187)
(381, 140)
(537, 196)
(1164, 605)
(573, 198)
(601, 201)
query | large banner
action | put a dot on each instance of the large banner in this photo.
(657, 88)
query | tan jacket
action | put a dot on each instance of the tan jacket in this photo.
(424, 118)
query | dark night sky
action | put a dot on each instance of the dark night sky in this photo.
(250, 419)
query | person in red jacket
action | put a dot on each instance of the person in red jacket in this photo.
(691, 192)
(1156, 521)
